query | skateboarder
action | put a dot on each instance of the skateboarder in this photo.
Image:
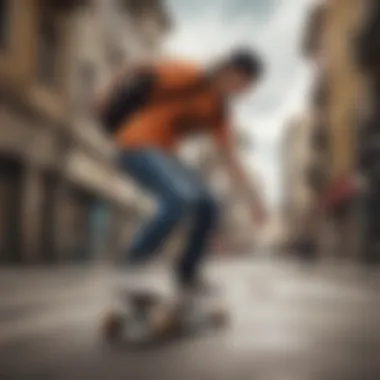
(159, 106)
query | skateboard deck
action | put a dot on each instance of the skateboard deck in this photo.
(149, 318)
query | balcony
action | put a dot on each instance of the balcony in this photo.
(138, 9)
(320, 139)
(367, 48)
(312, 39)
(59, 5)
(316, 177)
(321, 94)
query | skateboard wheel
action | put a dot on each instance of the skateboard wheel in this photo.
(112, 327)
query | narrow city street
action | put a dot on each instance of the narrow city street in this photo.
(288, 322)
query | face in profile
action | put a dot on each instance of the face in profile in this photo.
(235, 83)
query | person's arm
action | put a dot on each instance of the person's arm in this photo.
(247, 184)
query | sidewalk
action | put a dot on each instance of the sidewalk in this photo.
(287, 322)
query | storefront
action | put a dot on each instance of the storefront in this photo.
(48, 217)
(340, 205)
(10, 210)
(75, 242)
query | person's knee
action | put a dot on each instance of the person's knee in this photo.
(203, 205)
(176, 206)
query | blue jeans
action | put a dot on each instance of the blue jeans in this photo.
(179, 193)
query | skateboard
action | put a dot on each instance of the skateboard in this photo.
(149, 318)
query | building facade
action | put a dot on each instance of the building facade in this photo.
(299, 208)
(55, 163)
(368, 60)
(336, 110)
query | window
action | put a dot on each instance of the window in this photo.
(47, 50)
(312, 39)
(140, 8)
(4, 24)
(320, 138)
(133, 6)
(87, 76)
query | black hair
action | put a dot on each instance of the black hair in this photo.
(246, 61)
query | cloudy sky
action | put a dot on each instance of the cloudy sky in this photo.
(205, 29)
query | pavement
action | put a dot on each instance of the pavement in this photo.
(288, 322)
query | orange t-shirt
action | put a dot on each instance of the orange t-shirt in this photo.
(164, 125)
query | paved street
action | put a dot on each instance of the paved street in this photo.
(288, 323)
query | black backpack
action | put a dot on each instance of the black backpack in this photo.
(127, 98)
(132, 95)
